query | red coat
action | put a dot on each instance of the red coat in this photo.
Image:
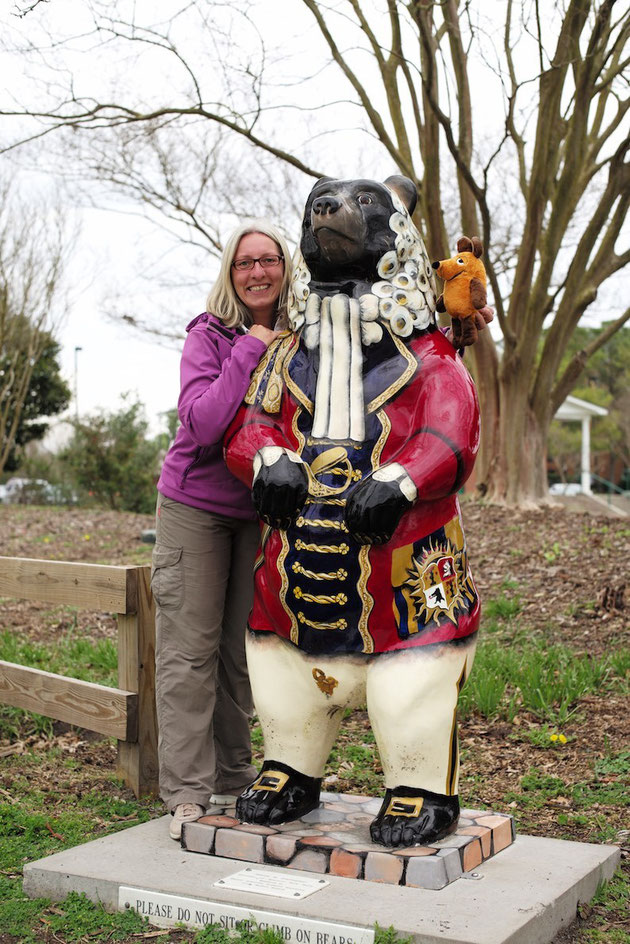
(314, 584)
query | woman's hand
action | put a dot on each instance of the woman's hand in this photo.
(266, 335)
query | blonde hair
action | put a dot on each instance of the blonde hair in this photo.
(223, 301)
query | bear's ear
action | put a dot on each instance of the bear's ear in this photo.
(321, 180)
(406, 190)
(464, 244)
(477, 246)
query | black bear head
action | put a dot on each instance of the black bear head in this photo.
(345, 230)
(359, 241)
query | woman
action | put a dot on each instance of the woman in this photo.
(207, 537)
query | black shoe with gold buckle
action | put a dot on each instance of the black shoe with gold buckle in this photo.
(409, 816)
(278, 795)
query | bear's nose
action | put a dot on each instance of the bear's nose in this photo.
(436, 265)
(326, 205)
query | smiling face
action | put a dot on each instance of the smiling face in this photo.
(258, 288)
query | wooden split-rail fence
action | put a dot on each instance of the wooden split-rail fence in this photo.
(127, 712)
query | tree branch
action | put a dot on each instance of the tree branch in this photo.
(567, 381)
(429, 86)
(103, 115)
(365, 99)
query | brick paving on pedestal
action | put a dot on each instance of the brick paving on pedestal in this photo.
(335, 839)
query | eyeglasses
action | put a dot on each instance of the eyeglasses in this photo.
(267, 262)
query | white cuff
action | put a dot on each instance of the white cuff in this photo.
(269, 455)
(395, 473)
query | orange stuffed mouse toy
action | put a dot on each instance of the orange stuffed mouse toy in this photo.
(464, 294)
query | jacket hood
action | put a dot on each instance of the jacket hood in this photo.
(200, 319)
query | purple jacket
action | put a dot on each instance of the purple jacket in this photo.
(216, 368)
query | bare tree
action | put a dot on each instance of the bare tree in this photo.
(33, 251)
(547, 185)
(23, 9)
(185, 184)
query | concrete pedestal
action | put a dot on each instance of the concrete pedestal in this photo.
(523, 895)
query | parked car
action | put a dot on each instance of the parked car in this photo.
(565, 488)
(23, 491)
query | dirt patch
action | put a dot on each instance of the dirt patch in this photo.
(569, 571)
(72, 534)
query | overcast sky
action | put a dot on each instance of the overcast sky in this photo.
(116, 249)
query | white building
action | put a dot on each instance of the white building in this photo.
(576, 410)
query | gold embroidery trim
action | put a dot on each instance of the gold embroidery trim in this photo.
(264, 537)
(320, 523)
(367, 600)
(355, 474)
(339, 598)
(340, 574)
(278, 351)
(263, 363)
(405, 377)
(291, 386)
(321, 548)
(338, 624)
(382, 439)
(299, 437)
(285, 586)
(404, 806)
(329, 462)
(326, 501)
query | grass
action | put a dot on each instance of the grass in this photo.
(35, 822)
(547, 681)
(72, 654)
(515, 673)
(613, 895)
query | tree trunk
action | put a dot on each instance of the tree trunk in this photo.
(483, 363)
(518, 477)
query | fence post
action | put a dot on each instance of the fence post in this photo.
(138, 762)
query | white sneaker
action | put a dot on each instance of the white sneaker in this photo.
(184, 813)
(223, 799)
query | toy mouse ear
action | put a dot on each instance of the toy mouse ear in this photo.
(465, 244)
(477, 246)
(406, 190)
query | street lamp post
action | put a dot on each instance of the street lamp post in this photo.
(76, 381)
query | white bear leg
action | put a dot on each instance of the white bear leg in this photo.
(412, 702)
(300, 699)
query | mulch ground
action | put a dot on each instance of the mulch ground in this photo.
(569, 570)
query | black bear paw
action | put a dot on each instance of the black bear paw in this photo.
(410, 817)
(374, 510)
(278, 795)
(280, 491)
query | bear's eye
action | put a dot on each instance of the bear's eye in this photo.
(365, 198)
(460, 261)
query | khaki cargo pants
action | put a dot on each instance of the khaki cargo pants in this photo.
(202, 584)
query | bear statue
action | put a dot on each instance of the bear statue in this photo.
(360, 426)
